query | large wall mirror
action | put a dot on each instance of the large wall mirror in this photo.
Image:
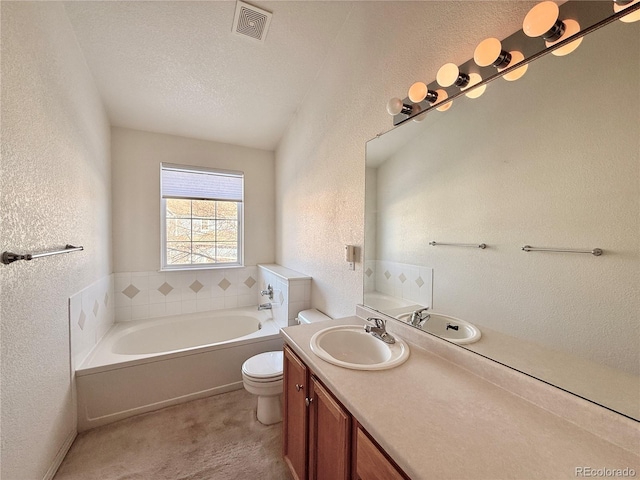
(552, 161)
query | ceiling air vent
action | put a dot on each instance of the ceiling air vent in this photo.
(250, 21)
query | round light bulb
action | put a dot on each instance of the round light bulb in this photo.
(632, 17)
(571, 28)
(516, 57)
(540, 19)
(442, 95)
(447, 75)
(487, 52)
(474, 79)
(418, 92)
(394, 106)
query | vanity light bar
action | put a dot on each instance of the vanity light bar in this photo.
(408, 110)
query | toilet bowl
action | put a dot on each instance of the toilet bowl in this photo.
(262, 376)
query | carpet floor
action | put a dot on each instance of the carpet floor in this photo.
(217, 437)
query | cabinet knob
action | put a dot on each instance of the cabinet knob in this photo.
(308, 401)
(299, 387)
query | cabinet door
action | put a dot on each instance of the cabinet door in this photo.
(371, 463)
(294, 422)
(329, 436)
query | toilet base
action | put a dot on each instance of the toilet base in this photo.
(269, 409)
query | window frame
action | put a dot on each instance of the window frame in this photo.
(164, 266)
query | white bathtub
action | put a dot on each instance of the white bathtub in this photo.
(146, 365)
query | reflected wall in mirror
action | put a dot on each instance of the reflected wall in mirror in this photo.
(552, 160)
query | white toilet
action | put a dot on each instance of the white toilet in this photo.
(262, 376)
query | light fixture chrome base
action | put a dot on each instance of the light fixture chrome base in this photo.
(555, 32)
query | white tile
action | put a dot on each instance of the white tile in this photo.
(123, 314)
(246, 300)
(295, 308)
(140, 280)
(204, 305)
(141, 298)
(122, 300)
(307, 290)
(187, 294)
(157, 310)
(122, 282)
(296, 292)
(173, 308)
(138, 312)
(156, 280)
(217, 303)
(204, 293)
(156, 297)
(230, 302)
(188, 306)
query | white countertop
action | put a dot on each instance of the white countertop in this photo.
(440, 421)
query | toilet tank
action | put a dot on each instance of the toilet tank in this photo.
(311, 316)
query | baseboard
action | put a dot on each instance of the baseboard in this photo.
(57, 461)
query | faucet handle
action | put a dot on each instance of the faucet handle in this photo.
(379, 322)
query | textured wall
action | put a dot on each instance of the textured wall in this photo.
(522, 176)
(55, 189)
(382, 49)
(136, 193)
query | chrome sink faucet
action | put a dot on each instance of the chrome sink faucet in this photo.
(418, 319)
(379, 331)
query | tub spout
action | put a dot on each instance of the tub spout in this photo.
(264, 306)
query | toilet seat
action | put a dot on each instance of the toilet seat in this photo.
(264, 367)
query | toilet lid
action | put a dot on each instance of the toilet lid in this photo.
(264, 365)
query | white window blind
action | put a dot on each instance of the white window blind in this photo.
(202, 184)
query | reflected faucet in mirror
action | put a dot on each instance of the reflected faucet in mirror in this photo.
(419, 317)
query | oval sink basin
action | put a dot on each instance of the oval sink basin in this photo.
(349, 346)
(444, 326)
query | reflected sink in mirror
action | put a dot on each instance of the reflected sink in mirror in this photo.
(349, 346)
(450, 328)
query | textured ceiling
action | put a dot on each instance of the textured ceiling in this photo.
(175, 67)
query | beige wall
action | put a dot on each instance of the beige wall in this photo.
(507, 177)
(136, 193)
(380, 51)
(55, 187)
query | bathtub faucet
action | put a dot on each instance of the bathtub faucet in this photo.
(268, 292)
(264, 306)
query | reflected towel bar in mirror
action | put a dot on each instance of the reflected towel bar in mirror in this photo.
(474, 245)
(8, 257)
(528, 248)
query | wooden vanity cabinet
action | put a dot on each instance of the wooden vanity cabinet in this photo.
(322, 441)
(316, 428)
(371, 463)
(294, 418)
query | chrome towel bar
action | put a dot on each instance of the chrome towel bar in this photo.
(528, 248)
(474, 245)
(8, 257)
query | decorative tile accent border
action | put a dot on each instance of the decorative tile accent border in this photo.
(140, 295)
(91, 315)
(409, 282)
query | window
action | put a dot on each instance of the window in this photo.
(201, 217)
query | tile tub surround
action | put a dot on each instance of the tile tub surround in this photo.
(409, 282)
(291, 292)
(140, 295)
(442, 420)
(91, 315)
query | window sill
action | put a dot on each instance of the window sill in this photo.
(196, 269)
